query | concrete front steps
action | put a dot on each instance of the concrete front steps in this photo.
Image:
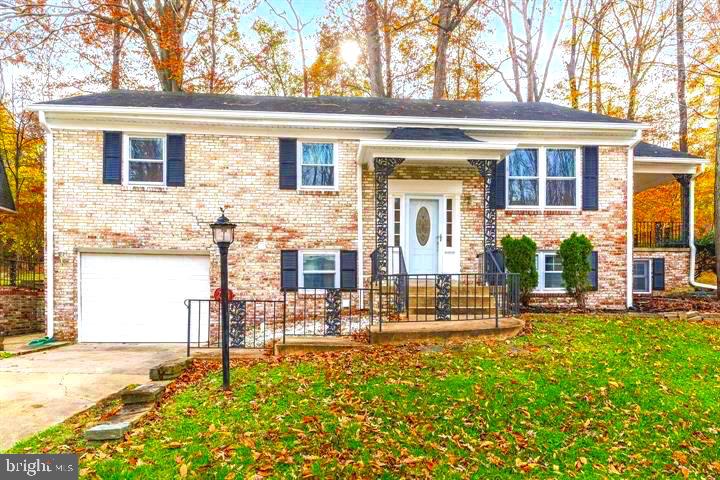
(405, 332)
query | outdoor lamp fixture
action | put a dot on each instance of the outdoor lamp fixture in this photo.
(223, 235)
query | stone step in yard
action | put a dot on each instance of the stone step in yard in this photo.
(146, 393)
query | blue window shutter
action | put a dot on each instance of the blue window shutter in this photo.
(499, 190)
(658, 274)
(289, 269)
(590, 173)
(176, 160)
(288, 163)
(112, 157)
(593, 273)
(348, 270)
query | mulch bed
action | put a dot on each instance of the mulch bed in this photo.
(677, 304)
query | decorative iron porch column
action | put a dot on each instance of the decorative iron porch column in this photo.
(684, 181)
(486, 169)
(384, 167)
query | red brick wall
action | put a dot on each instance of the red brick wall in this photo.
(21, 311)
(677, 265)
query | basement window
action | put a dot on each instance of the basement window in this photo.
(319, 269)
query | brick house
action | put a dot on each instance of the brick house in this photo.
(330, 193)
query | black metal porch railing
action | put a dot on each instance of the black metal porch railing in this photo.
(660, 234)
(253, 323)
(327, 312)
(260, 323)
(20, 272)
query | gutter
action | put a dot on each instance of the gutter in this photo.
(308, 119)
(49, 228)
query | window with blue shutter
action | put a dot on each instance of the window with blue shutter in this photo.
(289, 269)
(176, 160)
(288, 163)
(112, 157)
(348, 270)
(658, 274)
(590, 175)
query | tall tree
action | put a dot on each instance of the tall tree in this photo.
(681, 75)
(641, 29)
(525, 46)
(296, 25)
(374, 56)
(450, 14)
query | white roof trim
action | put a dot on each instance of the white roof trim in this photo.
(320, 118)
(426, 150)
(675, 160)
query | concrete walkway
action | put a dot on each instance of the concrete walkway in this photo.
(42, 389)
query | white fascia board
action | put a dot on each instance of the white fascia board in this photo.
(323, 119)
(7, 210)
(673, 160)
(432, 150)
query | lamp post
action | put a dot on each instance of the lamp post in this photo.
(223, 235)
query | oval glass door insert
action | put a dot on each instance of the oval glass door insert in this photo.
(422, 226)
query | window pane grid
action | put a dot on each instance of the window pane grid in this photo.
(396, 221)
(543, 177)
(317, 165)
(448, 222)
(146, 162)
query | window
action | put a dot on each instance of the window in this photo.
(641, 276)
(396, 221)
(549, 269)
(319, 269)
(448, 222)
(523, 177)
(317, 166)
(543, 177)
(146, 159)
(561, 180)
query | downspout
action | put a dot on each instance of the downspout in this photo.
(360, 242)
(49, 227)
(629, 246)
(691, 239)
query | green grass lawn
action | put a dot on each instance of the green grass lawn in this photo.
(579, 396)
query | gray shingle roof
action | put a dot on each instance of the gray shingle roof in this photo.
(342, 105)
(645, 149)
(6, 198)
(434, 134)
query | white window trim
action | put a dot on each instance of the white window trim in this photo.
(649, 263)
(336, 184)
(540, 265)
(301, 270)
(542, 179)
(127, 159)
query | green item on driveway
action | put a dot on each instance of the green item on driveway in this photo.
(39, 342)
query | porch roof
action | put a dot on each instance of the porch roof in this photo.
(435, 152)
(431, 134)
(654, 165)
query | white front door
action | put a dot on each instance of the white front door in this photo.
(139, 298)
(423, 236)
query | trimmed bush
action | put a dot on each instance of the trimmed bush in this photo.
(574, 253)
(520, 258)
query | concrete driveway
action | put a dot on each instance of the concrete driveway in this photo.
(42, 389)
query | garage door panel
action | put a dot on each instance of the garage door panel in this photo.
(139, 298)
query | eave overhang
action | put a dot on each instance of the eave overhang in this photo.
(60, 113)
(436, 152)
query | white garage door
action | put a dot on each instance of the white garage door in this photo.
(139, 298)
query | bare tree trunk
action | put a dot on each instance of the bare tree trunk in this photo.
(372, 37)
(441, 45)
(681, 74)
(115, 69)
(632, 99)
(387, 43)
